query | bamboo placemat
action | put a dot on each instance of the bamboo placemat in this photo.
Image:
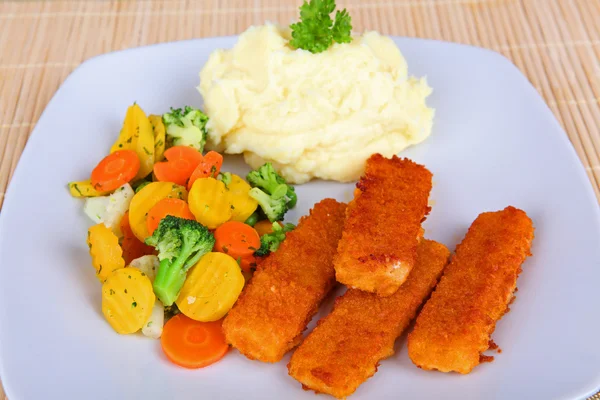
(556, 43)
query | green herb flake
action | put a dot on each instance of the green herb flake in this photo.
(133, 305)
(76, 187)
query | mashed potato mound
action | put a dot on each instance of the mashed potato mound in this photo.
(313, 115)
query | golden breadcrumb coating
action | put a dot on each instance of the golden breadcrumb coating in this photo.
(287, 288)
(455, 326)
(383, 225)
(346, 346)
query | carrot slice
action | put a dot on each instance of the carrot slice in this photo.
(175, 207)
(249, 264)
(183, 152)
(181, 162)
(115, 170)
(265, 226)
(208, 168)
(132, 246)
(236, 239)
(193, 344)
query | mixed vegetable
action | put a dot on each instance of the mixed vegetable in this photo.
(175, 238)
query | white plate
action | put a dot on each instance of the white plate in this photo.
(494, 143)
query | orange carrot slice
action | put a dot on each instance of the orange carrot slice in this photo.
(193, 344)
(208, 168)
(236, 239)
(181, 162)
(115, 170)
(168, 206)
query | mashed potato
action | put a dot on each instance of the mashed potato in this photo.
(313, 115)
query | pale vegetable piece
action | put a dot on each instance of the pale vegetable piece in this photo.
(158, 127)
(209, 202)
(137, 135)
(154, 326)
(107, 255)
(127, 300)
(84, 189)
(243, 205)
(110, 209)
(211, 288)
(147, 264)
(147, 198)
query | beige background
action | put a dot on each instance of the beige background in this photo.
(555, 43)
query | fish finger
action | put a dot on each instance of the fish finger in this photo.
(455, 326)
(287, 288)
(383, 225)
(345, 348)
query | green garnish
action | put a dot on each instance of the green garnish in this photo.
(316, 31)
(76, 187)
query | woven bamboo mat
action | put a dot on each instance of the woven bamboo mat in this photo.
(556, 43)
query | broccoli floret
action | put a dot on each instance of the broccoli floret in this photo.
(271, 183)
(180, 244)
(291, 195)
(270, 242)
(274, 205)
(265, 178)
(186, 127)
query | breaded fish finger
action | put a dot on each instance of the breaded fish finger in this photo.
(379, 244)
(286, 290)
(455, 325)
(346, 346)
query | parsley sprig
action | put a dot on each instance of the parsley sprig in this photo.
(316, 31)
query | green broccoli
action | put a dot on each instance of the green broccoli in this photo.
(274, 206)
(266, 182)
(252, 219)
(270, 242)
(142, 184)
(180, 244)
(186, 127)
